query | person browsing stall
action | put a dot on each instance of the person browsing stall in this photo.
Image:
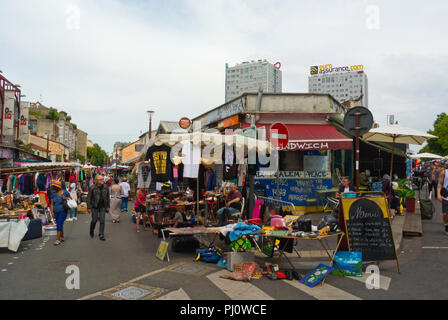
(233, 204)
(140, 208)
(58, 209)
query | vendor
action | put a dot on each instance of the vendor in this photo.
(345, 187)
(392, 198)
(233, 204)
(177, 217)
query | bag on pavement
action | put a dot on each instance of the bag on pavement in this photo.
(212, 254)
(426, 207)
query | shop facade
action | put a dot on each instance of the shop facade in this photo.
(306, 163)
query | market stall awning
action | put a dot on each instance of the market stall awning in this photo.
(316, 137)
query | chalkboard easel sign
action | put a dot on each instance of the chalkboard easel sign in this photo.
(368, 227)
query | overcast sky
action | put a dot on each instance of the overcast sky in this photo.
(123, 56)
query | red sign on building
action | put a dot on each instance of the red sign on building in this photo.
(185, 123)
(279, 136)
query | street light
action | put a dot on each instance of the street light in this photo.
(150, 113)
(48, 141)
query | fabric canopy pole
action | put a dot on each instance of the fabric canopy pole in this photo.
(392, 158)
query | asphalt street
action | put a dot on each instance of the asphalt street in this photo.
(125, 266)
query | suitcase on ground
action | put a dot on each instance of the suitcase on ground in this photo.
(426, 209)
(426, 206)
(185, 244)
(34, 230)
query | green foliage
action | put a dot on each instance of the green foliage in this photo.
(53, 114)
(68, 118)
(35, 113)
(438, 146)
(132, 178)
(96, 155)
(403, 191)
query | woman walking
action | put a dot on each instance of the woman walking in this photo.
(74, 195)
(140, 208)
(115, 201)
(58, 209)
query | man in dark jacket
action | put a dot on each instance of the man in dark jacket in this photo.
(98, 203)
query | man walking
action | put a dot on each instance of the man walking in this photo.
(125, 188)
(442, 195)
(433, 180)
(98, 203)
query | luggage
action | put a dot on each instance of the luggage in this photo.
(184, 244)
(211, 255)
(34, 230)
(426, 207)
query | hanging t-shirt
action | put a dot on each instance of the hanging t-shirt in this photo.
(144, 175)
(192, 159)
(161, 166)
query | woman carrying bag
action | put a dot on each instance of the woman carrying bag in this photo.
(59, 209)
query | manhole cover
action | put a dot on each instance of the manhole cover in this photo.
(132, 293)
(189, 268)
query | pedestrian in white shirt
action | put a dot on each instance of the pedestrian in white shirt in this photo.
(125, 188)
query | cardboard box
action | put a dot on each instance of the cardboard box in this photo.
(239, 257)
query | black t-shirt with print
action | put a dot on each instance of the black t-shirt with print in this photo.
(161, 166)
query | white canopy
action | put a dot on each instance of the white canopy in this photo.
(398, 134)
(238, 141)
(425, 156)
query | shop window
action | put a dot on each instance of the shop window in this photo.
(291, 160)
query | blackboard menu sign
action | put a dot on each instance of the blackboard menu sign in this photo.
(368, 227)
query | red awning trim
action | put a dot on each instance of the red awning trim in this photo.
(316, 137)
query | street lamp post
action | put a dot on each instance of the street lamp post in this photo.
(48, 142)
(150, 113)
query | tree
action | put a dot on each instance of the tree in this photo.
(96, 155)
(53, 114)
(438, 146)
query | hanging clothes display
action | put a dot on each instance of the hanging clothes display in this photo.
(161, 166)
(41, 182)
(143, 175)
(210, 181)
(192, 159)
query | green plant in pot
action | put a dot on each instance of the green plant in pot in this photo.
(404, 192)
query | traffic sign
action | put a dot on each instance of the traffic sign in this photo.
(185, 123)
(279, 135)
(365, 121)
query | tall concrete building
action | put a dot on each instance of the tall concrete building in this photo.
(343, 86)
(247, 77)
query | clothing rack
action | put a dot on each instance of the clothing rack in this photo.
(279, 203)
(15, 171)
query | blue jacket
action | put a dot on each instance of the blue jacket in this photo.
(242, 229)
